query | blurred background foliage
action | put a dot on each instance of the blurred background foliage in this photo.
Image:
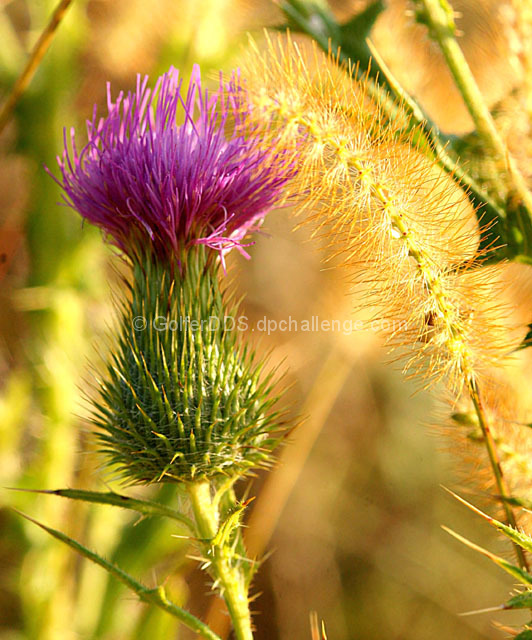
(358, 539)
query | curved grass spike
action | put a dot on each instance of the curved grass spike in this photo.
(388, 209)
(398, 221)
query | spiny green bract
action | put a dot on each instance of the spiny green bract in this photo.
(183, 398)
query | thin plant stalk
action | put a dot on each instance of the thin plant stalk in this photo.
(36, 55)
(496, 466)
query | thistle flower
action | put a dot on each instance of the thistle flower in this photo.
(182, 398)
(148, 181)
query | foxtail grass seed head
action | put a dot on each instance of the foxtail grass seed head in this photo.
(400, 223)
(406, 232)
(183, 397)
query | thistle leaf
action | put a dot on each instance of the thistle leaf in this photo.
(527, 342)
(465, 419)
(514, 500)
(144, 507)
(154, 596)
(314, 18)
(357, 29)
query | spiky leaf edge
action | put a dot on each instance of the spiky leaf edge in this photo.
(156, 595)
(145, 508)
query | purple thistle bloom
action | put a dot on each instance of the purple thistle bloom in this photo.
(146, 180)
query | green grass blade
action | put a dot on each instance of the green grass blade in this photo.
(514, 500)
(520, 601)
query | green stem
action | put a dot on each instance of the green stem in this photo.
(439, 16)
(496, 466)
(227, 574)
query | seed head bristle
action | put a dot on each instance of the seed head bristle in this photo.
(506, 397)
